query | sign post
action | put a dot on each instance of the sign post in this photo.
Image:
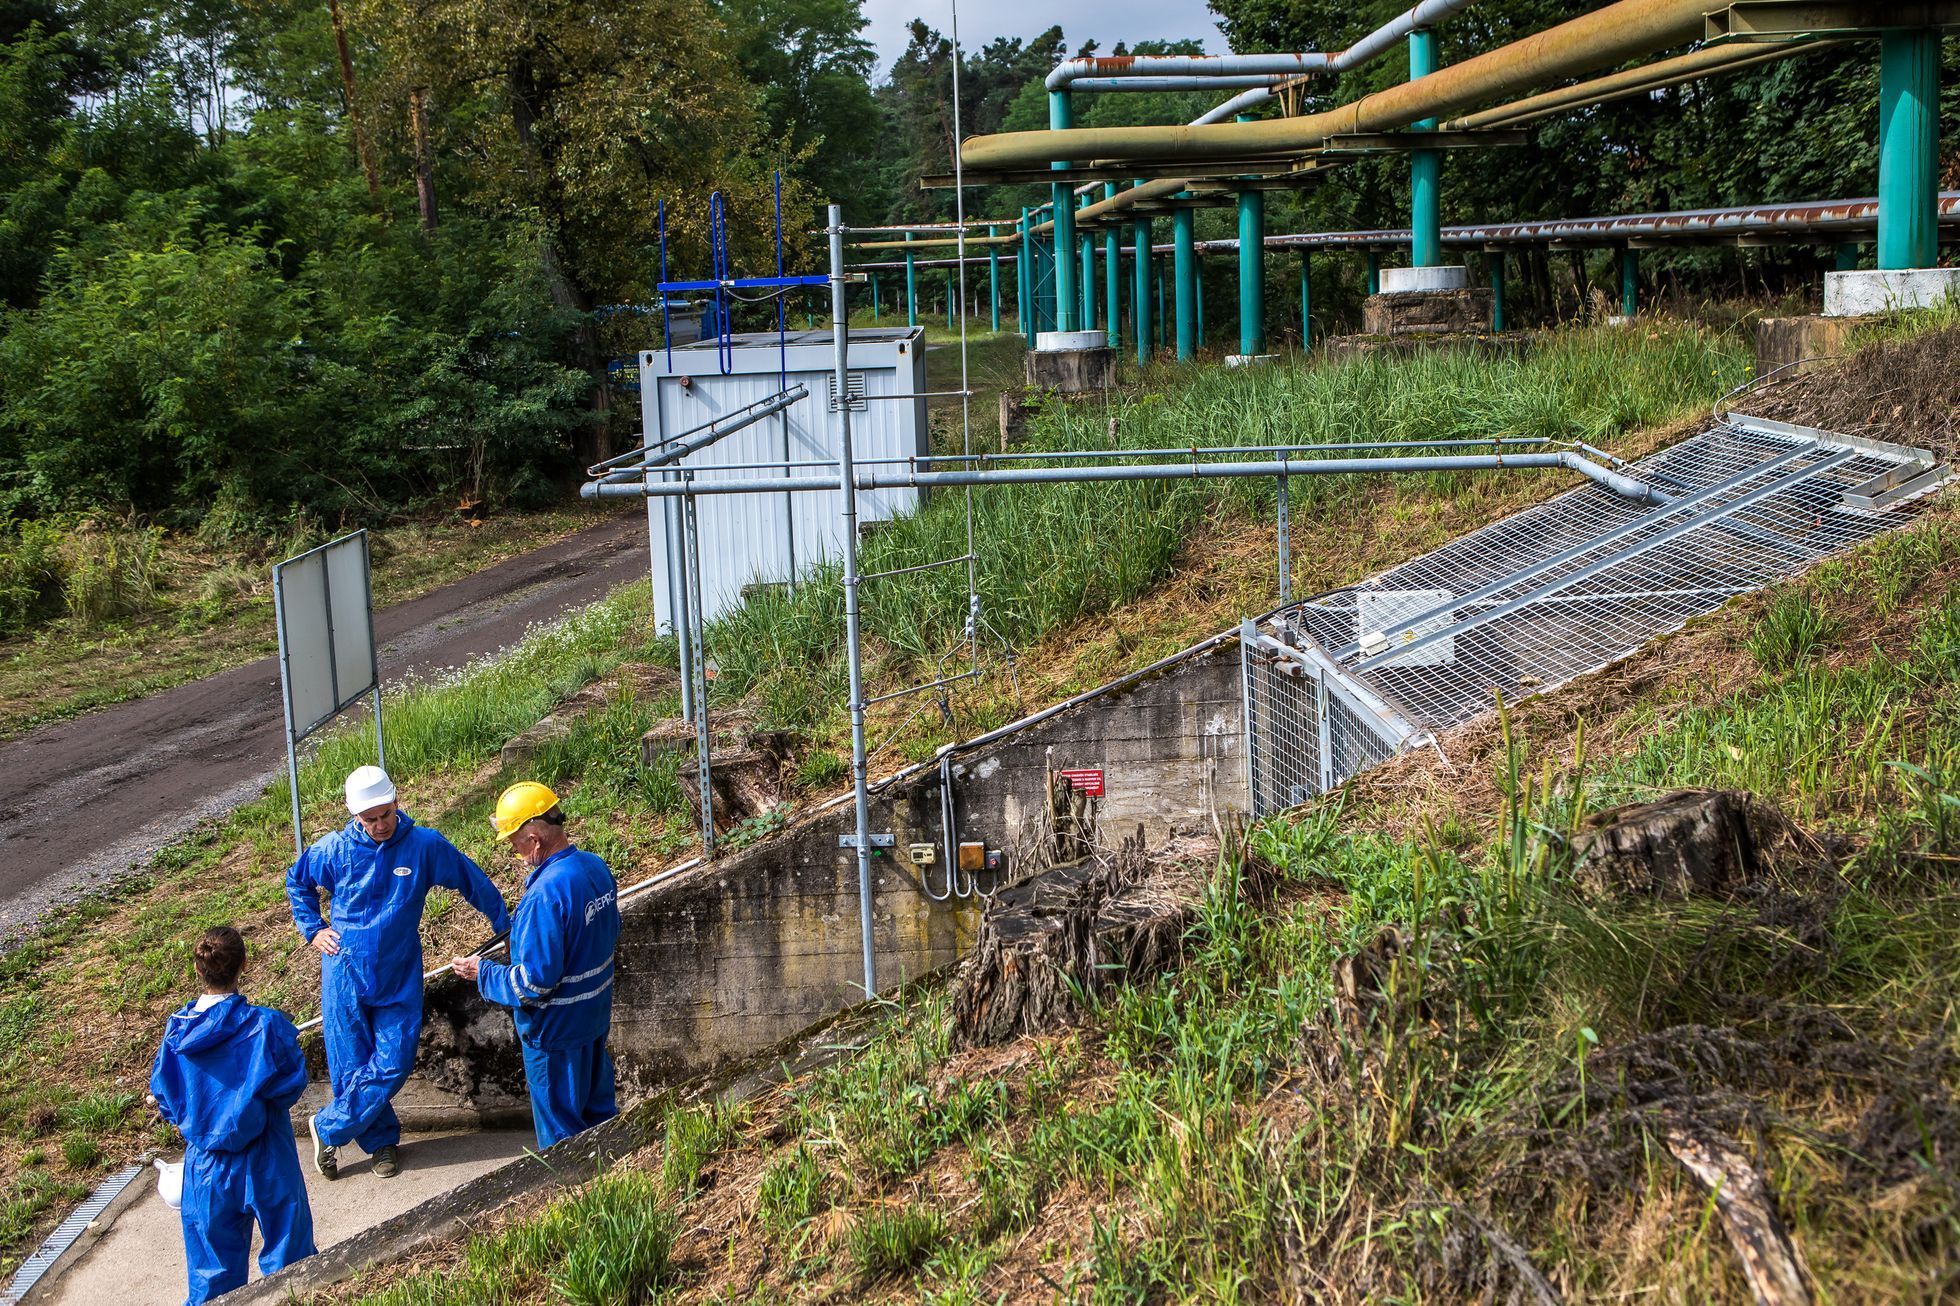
(323, 604)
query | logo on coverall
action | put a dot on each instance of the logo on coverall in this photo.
(598, 905)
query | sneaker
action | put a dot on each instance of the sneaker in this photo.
(325, 1159)
(385, 1164)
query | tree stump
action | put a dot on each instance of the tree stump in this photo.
(1713, 842)
(1070, 932)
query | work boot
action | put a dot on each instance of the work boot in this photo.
(325, 1159)
(385, 1164)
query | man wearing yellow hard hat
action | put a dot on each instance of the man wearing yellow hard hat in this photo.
(560, 977)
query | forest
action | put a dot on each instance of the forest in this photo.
(271, 259)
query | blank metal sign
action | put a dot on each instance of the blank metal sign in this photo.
(326, 630)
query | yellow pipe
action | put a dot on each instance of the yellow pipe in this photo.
(927, 244)
(1615, 34)
(1634, 81)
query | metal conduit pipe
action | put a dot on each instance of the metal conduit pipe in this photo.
(1225, 65)
(1228, 83)
(1617, 33)
(1618, 483)
(708, 433)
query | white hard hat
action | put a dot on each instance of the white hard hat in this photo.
(170, 1182)
(368, 786)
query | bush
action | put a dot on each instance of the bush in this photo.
(31, 572)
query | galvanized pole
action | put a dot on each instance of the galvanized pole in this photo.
(1908, 149)
(853, 645)
(704, 769)
(1285, 533)
(374, 650)
(1060, 118)
(1112, 283)
(1184, 271)
(286, 703)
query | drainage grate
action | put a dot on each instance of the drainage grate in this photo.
(1558, 590)
(66, 1233)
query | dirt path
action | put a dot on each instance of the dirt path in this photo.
(91, 797)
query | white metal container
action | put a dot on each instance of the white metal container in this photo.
(760, 538)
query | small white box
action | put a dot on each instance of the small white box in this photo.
(1381, 615)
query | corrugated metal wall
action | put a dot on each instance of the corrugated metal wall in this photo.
(749, 538)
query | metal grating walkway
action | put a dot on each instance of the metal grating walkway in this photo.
(1339, 683)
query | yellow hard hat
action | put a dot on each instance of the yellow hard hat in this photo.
(521, 802)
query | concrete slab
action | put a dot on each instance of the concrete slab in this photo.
(139, 1259)
(1852, 294)
(1403, 281)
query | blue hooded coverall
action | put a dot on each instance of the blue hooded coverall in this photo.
(560, 981)
(371, 993)
(226, 1077)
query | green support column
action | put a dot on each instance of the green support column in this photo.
(1112, 280)
(1847, 257)
(1163, 322)
(952, 293)
(1374, 273)
(1306, 299)
(1184, 271)
(1497, 290)
(1252, 272)
(1200, 279)
(1061, 116)
(1425, 170)
(1142, 278)
(911, 285)
(993, 282)
(1088, 282)
(874, 299)
(1629, 282)
(1908, 149)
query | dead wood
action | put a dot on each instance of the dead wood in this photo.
(1769, 1259)
(1695, 843)
(1059, 937)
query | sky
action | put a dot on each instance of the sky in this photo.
(1108, 21)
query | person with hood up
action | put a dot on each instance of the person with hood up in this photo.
(560, 976)
(227, 1074)
(379, 869)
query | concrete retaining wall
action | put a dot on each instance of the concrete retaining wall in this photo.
(741, 954)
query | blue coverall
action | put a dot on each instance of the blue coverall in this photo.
(560, 981)
(226, 1077)
(371, 993)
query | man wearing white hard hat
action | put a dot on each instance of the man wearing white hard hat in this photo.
(378, 869)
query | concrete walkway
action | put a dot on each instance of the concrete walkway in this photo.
(139, 1259)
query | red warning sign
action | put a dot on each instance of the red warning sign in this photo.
(1085, 781)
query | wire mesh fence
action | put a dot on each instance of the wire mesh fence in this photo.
(1560, 589)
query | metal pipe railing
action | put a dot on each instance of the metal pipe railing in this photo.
(1617, 482)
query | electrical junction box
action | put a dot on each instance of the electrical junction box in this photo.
(973, 856)
(749, 539)
(922, 854)
(996, 860)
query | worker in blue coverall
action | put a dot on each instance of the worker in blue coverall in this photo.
(559, 980)
(379, 869)
(227, 1074)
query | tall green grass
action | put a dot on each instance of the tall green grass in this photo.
(1048, 555)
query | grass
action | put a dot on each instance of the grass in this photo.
(1503, 1089)
(94, 613)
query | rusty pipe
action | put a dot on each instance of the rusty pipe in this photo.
(1629, 29)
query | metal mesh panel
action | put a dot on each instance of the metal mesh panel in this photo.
(1552, 592)
(1283, 720)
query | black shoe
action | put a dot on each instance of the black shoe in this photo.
(325, 1159)
(385, 1164)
